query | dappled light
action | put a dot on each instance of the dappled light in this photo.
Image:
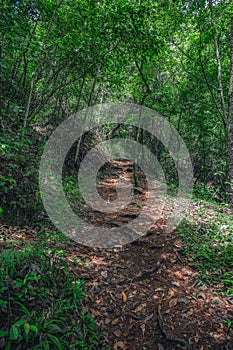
(116, 175)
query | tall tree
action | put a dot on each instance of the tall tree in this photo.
(230, 124)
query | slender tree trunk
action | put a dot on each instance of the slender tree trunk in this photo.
(29, 101)
(88, 104)
(220, 86)
(230, 125)
(1, 90)
(228, 119)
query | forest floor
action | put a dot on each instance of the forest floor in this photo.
(146, 295)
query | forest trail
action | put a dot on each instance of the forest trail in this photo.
(117, 178)
(143, 295)
(146, 292)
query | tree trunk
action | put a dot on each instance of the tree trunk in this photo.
(230, 125)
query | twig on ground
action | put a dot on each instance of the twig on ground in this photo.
(167, 333)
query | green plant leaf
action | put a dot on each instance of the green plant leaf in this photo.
(14, 333)
(3, 333)
(26, 327)
(55, 341)
(20, 323)
(33, 328)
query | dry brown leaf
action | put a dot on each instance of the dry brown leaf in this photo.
(201, 296)
(189, 313)
(107, 320)
(173, 302)
(143, 328)
(96, 313)
(171, 292)
(124, 297)
(140, 307)
(104, 274)
(168, 311)
(117, 334)
(98, 301)
(196, 338)
(119, 345)
(160, 347)
(115, 321)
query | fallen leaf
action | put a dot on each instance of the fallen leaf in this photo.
(189, 313)
(104, 274)
(119, 346)
(107, 320)
(117, 334)
(140, 307)
(124, 297)
(171, 292)
(173, 302)
(201, 296)
(143, 328)
(196, 338)
(115, 321)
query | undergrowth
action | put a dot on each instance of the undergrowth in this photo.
(41, 300)
(210, 244)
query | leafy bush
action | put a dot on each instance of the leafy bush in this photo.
(41, 302)
(211, 247)
(19, 157)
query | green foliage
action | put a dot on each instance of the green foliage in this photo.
(210, 245)
(19, 178)
(71, 189)
(46, 297)
(59, 57)
(215, 194)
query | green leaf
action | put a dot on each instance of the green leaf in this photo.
(26, 327)
(14, 333)
(3, 333)
(23, 309)
(19, 323)
(33, 328)
(55, 341)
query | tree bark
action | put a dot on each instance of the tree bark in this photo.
(230, 126)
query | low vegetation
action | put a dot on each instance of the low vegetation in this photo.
(41, 300)
(208, 238)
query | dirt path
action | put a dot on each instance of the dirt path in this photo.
(146, 292)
